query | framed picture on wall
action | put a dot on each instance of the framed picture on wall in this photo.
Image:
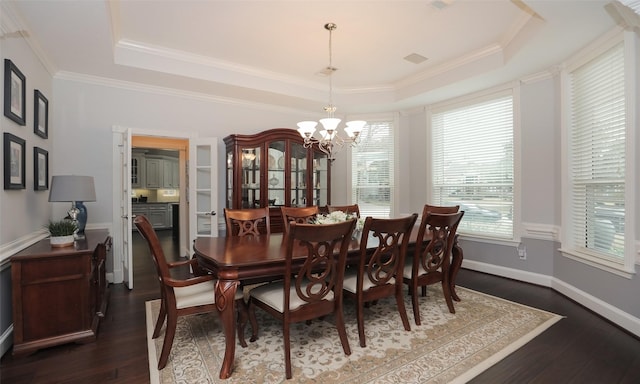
(14, 160)
(40, 114)
(14, 93)
(40, 169)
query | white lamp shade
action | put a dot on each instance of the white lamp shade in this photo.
(330, 123)
(354, 127)
(307, 128)
(72, 188)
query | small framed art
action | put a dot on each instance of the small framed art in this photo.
(40, 114)
(14, 160)
(40, 169)
(14, 93)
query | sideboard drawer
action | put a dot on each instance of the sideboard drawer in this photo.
(53, 268)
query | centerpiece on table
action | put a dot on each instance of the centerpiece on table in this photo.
(61, 232)
(338, 217)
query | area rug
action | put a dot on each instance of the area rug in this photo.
(446, 348)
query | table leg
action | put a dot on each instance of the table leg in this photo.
(456, 263)
(225, 292)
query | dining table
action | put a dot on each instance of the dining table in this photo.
(236, 260)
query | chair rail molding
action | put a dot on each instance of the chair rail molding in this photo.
(9, 249)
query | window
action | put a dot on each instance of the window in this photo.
(372, 170)
(597, 157)
(472, 163)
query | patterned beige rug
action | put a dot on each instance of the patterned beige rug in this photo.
(445, 349)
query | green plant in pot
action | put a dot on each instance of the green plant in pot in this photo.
(61, 232)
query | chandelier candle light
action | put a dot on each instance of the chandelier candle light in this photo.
(330, 141)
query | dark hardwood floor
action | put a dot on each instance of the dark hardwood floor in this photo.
(582, 348)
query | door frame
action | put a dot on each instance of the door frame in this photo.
(118, 254)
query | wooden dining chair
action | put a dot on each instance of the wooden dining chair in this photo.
(354, 208)
(242, 222)
(247, 222)
(379, 275)
(431, 263)
(300, 215)
(315, 289)
(440, 209)
(456, 253)
(179, 297)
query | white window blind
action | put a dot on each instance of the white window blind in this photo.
(597, 159)
(372, 170)
(472, 164)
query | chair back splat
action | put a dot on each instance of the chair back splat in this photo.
(312, 284)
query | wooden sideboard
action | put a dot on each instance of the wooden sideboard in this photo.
(59, 294)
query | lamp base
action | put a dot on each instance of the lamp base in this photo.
(81, 216)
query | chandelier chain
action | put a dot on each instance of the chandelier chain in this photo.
(330, 108)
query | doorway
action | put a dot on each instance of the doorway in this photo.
(165, 159)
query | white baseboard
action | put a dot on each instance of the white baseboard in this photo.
(6, 340)
(606, 310)
(516, 274)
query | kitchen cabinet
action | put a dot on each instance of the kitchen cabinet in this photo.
(159, 214)
(171, 174)
(274, 169)
(153, 172)
(137, 170)
(59, 294)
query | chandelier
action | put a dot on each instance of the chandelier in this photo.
(330, 142)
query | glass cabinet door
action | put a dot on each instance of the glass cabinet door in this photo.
(320, 179)
(276, 173)
(250, 177)
(299, 187)
(230, 182)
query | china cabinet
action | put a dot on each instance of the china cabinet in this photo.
(272, 168)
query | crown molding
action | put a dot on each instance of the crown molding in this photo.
(166, 91)
(12, 26)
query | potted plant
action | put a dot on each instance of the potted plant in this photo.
(61, 232)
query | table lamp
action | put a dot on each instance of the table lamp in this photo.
(74, 189)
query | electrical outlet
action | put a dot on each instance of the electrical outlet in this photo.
(522, 252)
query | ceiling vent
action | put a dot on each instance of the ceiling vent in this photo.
(440, 4)
(415, 58)
(326, 71)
